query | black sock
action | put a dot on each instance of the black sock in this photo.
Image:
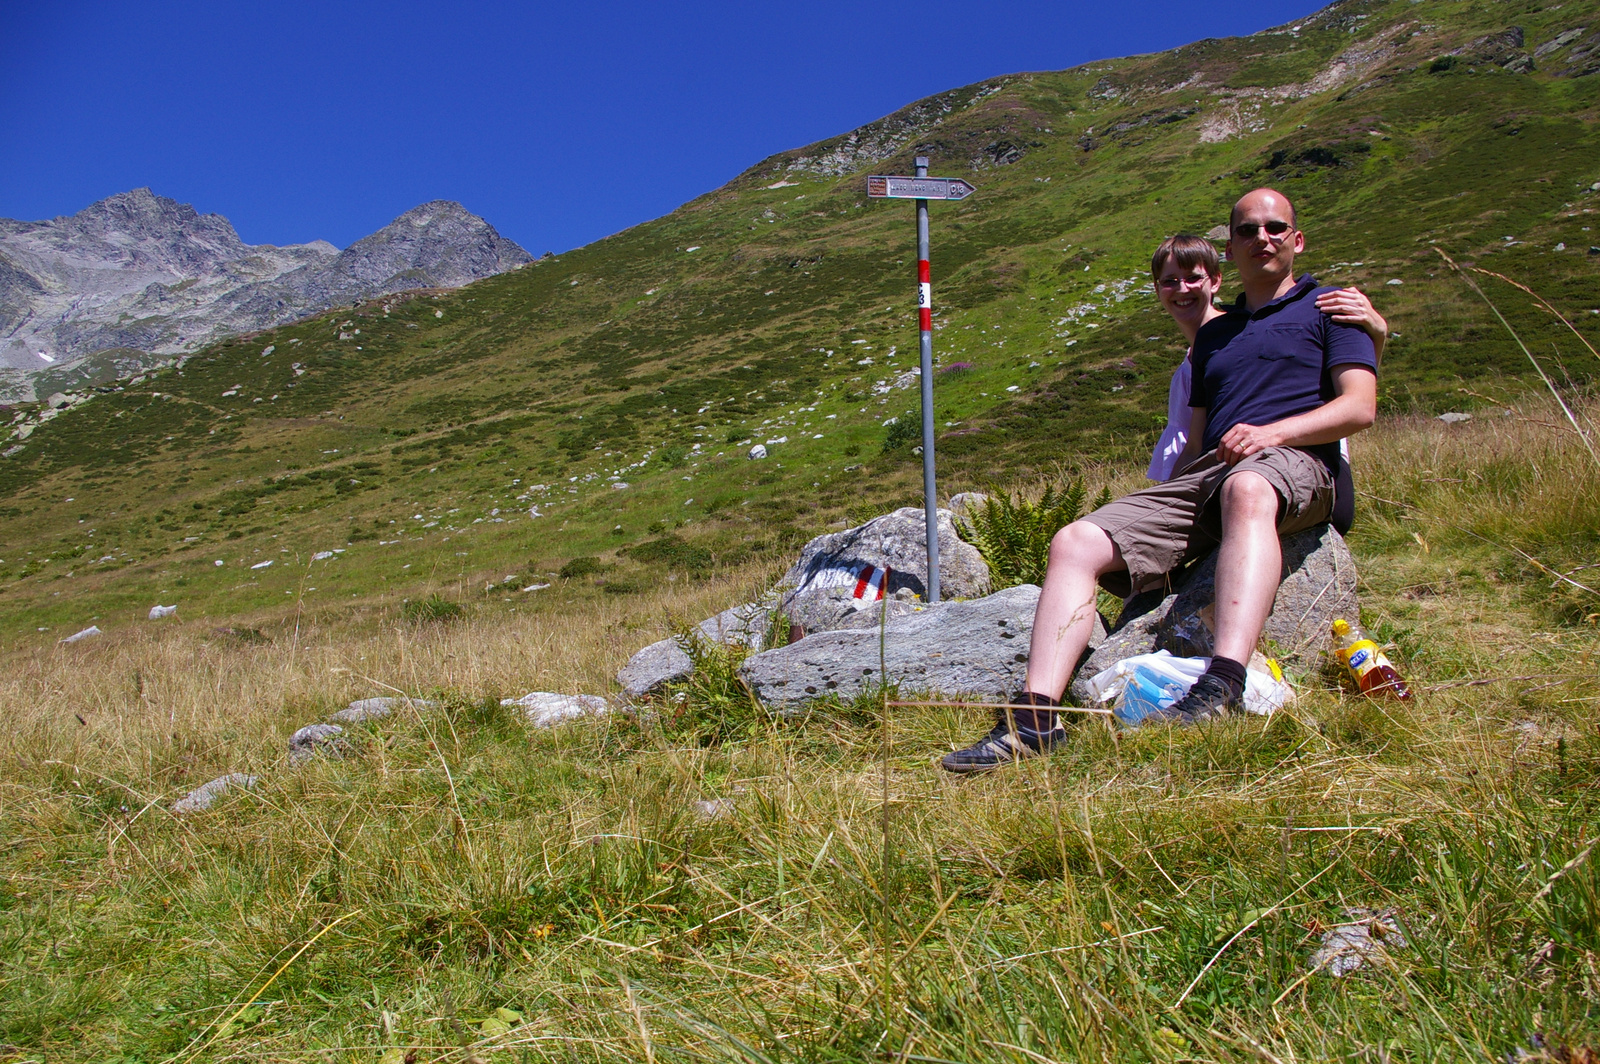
(1040, 719)
(1229, 672)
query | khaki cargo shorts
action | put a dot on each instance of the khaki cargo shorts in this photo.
(1160, 528)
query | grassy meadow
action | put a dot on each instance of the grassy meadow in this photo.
(468, 888)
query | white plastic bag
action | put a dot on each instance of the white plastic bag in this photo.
(1142, 684)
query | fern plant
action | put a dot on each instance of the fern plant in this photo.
(1013, 532)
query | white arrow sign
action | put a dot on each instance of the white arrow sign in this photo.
(939, 188)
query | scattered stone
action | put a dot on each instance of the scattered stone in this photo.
(92, 630)
(365, 709)
(665, 661)
(758, 451)
(714, 808)
(740, 625)
(158, 611)
(844, 573)
(977, 648)
(1453, 417)
(200, 799)
(1366, 938)
(315, 739)
(655, 666)
(262, 565)
(545, 709)
(1318, 585)
(966, 506)
(57, 401)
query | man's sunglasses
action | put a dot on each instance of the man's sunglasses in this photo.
(1248, 230)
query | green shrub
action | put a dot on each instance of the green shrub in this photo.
(902, 430)
(673, 552)
(1013, 532)
(435, 609)
(584, 566)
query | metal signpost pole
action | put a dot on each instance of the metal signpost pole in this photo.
(925, 326)
(922, 188)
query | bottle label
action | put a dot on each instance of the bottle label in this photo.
(1359, 658)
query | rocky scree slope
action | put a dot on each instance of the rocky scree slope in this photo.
(137, 274)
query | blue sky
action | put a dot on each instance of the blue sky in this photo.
(560, 123)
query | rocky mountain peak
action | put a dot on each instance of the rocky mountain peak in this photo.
(138, 272)
(442, 238)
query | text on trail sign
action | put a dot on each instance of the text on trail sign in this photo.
(939, 188)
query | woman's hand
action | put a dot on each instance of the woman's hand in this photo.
(1350, 306)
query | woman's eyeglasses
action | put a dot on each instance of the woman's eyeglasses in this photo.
(1248, 230)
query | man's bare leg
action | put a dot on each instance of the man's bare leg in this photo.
(1064, 618)
(1248, 564)
(1061, 626)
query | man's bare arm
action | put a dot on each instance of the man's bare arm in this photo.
(1354, 407)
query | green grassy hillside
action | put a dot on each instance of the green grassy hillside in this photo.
(615, 389)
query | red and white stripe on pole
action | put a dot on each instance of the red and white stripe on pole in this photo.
(924, 295)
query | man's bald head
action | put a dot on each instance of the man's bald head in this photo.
(1266, 199)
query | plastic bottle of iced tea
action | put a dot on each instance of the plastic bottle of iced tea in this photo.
(1368, 666)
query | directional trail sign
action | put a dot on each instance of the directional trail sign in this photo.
(939, 188)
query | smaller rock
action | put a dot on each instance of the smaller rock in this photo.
(314, 739)
(201, 797)
(57, 401)
(714, 809)
(1366, 938)
(364, 709)
(1453, 417)
(966, 505)
(545, 709)
(758, 451)
(92, 630)
(657, 665)
(158, 611)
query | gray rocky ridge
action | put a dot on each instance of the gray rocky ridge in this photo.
(102, 293)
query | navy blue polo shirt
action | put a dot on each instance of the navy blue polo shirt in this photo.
(1259, 368)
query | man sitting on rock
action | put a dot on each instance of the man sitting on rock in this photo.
(1276, 385)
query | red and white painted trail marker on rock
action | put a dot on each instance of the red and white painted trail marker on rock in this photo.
(923, 188)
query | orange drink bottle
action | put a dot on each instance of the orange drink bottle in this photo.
(1371, 670)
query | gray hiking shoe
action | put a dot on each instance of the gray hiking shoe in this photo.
(1002, 745)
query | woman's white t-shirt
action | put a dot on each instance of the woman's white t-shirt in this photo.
(1176, 436)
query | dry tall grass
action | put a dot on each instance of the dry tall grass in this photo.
(1149, 895)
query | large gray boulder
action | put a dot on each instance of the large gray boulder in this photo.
(885, 556)
(977, 648)
(1318, 584)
